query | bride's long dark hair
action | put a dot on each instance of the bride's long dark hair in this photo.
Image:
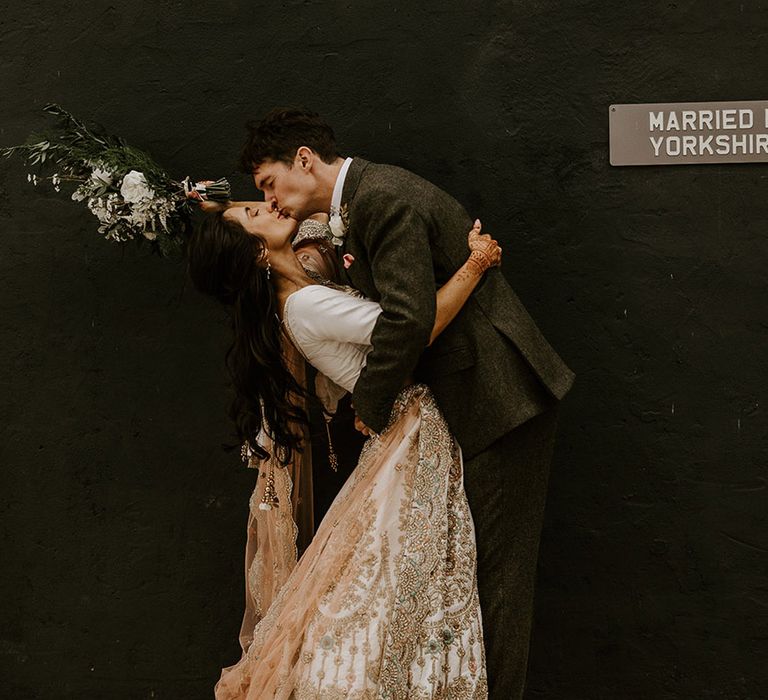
(222, 262)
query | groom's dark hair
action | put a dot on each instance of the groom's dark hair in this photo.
(281, 132)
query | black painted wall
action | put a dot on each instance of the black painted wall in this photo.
(123, 521)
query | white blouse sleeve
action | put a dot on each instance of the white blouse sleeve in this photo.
(331, 314)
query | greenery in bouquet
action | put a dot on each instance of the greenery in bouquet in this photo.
(126, 190)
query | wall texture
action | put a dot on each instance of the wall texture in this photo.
(123, 521)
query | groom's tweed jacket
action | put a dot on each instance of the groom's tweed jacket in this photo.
(491, 369)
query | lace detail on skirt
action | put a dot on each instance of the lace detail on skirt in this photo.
(275, 559)
(383, 604)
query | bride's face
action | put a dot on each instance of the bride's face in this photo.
(273, 227)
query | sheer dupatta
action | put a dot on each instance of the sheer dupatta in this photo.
(275, 536)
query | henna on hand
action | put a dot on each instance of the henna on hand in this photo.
(479, 262)
(485, 252)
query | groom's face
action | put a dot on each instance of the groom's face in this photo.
(287, 188)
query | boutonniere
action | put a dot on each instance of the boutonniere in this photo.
(338, 222)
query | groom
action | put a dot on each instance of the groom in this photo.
(496, 379)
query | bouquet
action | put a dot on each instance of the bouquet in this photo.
(130, 194)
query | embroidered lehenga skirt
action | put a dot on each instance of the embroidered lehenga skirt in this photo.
(383, 603)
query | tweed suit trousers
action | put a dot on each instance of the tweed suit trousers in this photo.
(506, 487)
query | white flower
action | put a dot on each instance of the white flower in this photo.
(99, 209)
(137, 219)
(151, 235)
(112, 202)
(101, 177)
(79, 194)
(337, 229)
(135, 188)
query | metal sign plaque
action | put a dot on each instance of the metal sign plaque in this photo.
(689, 132)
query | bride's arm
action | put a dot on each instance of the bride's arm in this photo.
(485, 253)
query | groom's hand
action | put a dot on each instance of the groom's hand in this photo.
(360, 426)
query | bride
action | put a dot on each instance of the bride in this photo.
(383, 602)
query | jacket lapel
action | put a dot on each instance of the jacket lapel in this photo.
(352, 180)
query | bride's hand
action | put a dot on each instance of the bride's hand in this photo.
(485, 252)
(206, 205)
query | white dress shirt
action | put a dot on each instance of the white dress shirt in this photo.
(339, 187)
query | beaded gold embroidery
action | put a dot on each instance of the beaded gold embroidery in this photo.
(398, 615)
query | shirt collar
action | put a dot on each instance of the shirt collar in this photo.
(339, 187)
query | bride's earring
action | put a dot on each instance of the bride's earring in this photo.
(269, 269)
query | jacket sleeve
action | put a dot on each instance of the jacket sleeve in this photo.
(396, 239)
